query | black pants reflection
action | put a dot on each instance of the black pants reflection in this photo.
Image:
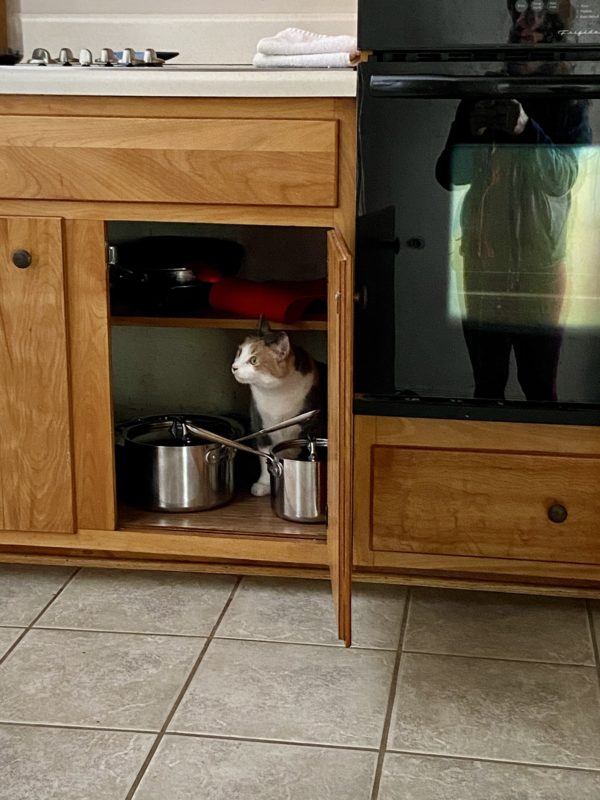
(536, 352)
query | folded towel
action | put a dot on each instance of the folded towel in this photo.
(313, 60)
(295, 41)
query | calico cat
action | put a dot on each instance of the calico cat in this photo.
(284, 381)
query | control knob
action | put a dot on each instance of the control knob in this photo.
(86, 58)
(151, 59)
(41, 56)
(66, 58)
(107, 57)
(128, 58)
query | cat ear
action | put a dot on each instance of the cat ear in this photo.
(264, 329)
(280, 345)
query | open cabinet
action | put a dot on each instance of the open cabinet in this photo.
(283, 164)
(108, 351)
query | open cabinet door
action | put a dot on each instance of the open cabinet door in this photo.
(339, 477)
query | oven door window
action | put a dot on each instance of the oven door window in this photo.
(485, 282)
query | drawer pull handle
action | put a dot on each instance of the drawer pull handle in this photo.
(21, 259)
(557, 513)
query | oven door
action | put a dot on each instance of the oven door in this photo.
(478, 241)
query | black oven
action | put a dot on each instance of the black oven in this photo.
(478, 230)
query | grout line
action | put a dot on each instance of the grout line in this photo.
(594, 638)
(321, 745)
(391, 699)
(499, 658)
(191, 735)
(163, 634)
(35, 619)
(488, 760)
(181, 694)
(332, 646)
(66, 726)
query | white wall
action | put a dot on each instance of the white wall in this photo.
(203, 31)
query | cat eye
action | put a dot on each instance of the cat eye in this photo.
(254, 360)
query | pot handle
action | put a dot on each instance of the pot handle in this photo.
(214, 437)
(287, 423)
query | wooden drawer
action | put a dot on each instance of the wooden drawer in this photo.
(211, 161)
(490, 504)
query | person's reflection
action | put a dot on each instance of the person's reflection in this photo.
(514, 155)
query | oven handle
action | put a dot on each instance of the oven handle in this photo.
(438, 86)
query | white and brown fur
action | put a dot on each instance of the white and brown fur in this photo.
(285, 381)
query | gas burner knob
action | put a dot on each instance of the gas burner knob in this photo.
(128, 58)
(107, 57)
(86, 58)
(151, 59)
(66, 57)
(41, 56)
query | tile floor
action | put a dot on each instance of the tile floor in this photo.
(165, 686)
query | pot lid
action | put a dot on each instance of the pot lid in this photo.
(168, 431)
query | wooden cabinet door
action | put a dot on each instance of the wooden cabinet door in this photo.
(36, 484)
(339, 478)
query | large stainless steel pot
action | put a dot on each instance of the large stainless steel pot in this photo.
(164, 468)
(298, 471)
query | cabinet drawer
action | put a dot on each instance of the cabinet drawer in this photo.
(213, 161)
(485, 504)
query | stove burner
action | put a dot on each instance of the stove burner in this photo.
(108, 58)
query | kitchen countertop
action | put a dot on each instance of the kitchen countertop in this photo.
(178, 80)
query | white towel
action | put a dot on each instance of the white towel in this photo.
(313, 60)
(295, 41)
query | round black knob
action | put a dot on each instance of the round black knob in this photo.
(557, 513)
(21, 259)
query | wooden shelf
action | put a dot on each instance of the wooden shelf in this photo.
(244, 516)
(215, 319)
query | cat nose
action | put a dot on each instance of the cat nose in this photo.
(233, 369)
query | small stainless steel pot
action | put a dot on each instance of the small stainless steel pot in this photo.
(298, 471)
(299, 486)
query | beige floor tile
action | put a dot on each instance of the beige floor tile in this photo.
(499, 625)
(7, 637)
(187, 767)
(25, 590)
(302, 611)
(290, 692)
(62, 764)
(431, 778)
(95, 679)
(537, 713)
(139, 601)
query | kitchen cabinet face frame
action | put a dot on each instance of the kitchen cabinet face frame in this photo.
(97, 536)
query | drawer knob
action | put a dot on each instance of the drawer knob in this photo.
(557, 513)
(21, 259)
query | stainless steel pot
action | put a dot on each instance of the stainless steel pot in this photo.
(298, 471)
(174, 463)
(164, 468)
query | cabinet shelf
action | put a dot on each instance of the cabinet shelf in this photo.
(216, 319)
(244, 516)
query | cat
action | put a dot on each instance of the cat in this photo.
(284, 381)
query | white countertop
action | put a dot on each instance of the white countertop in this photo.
(177, 80)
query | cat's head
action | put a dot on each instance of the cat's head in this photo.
(264, 359)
